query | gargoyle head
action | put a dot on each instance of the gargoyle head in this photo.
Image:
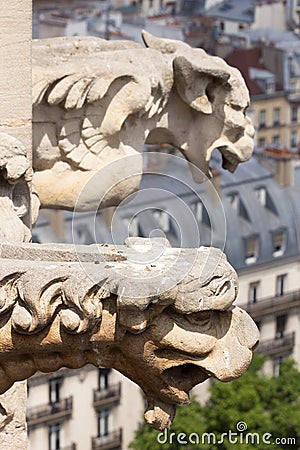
(208, 110)
(178, 339)
(96, 103)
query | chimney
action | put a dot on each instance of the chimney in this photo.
(279, 161)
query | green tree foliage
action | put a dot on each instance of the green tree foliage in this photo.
(267, 406)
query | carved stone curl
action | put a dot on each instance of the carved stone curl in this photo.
(16, 215)
(169, 331)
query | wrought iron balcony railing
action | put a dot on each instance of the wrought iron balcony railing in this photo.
(272, 305)
(51, 412)
(111, 441)
(277, 347)
(69, 447)
(111, 394)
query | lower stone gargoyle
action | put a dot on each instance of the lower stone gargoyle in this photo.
(163, 317)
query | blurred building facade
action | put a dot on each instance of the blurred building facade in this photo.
(257, 221)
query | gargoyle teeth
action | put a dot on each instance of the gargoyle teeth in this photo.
(98, 147)
(153, 109)
(93, 140)
(78, 153)
(69, 127)
(73, 138)
(88, 162)
(87, 123)
(90, 132)
(149, 103)
(66, 146)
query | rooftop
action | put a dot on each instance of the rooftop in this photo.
(234, 10)
(269, 36)
(172, 189)
(250, 64)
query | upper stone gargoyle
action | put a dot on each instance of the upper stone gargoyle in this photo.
(98, 102)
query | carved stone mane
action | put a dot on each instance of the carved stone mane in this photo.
(96, 102)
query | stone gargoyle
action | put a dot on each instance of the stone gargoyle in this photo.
(167, 326)
(96, 102)
(167, 320)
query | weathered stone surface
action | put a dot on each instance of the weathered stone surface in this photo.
(15, 177)
(127, 309)
(96, 103)
(164, 317)
(15, 209)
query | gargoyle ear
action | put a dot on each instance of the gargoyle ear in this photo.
(195, 85)
(163, 45)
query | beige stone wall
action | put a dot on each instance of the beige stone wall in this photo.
(15, 119)
(15, 80)
(82, 425)
(267, 278)
(270, 130)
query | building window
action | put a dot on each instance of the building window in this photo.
(163, 220)
(54, 390)
(103, 378)
(253, 292)
(261, 194)
(294, 139)
(276, 139)
(270, 86)
(54, 437)
(233, 198)
(82, 235)
(276, 116)
(238, 205)
(133, 227)
(280, 326)
(280, 284)
(262, 142)
(292, 87)
(262, 118)
(251, 250)
(103, 422)
(265, 199)
(294, 113)
(279, 243)
(197, 208)
(200, 213)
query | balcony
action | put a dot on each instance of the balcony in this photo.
(52, 412)
(108, 396)
(293, 95)
(111, 441)
(273, 305)
(277, 347)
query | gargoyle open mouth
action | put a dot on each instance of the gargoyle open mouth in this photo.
(229, 160)
(185, 376)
